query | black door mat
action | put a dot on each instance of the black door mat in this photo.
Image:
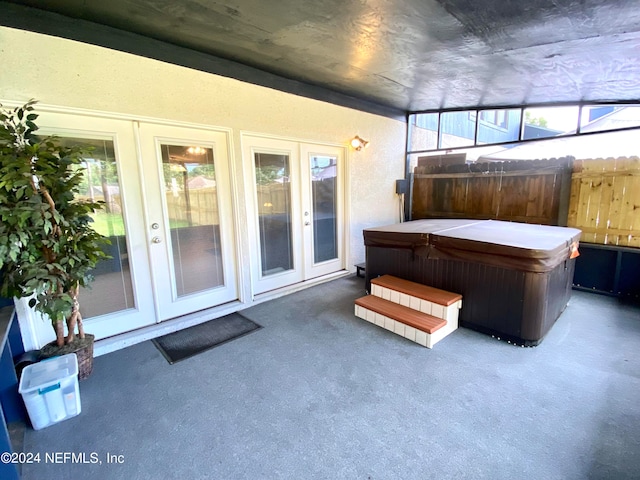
(200, 338)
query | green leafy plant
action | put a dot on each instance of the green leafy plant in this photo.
(47, 245)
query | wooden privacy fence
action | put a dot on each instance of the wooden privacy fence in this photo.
(601, 197)
(605, 201)
(198, 207)
(532, 191)
(274, 198)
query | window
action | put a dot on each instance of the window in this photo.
(495, 117)
(453, 129)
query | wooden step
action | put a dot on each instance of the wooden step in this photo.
(424, 292)
(418, 320)
(416, 326)
(429, 300)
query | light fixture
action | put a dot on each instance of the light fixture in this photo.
(359, 143)
(196, 150)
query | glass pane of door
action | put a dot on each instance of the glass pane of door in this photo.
(273, 188)
(194, 222)
(112, 288)
(324, 207)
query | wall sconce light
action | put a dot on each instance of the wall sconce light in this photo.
(359, 143)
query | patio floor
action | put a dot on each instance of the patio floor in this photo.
(319, 393)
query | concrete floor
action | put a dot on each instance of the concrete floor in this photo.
(319, 393)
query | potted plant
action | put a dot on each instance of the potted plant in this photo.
(47, 245)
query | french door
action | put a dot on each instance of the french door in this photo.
(121, 297)
(167, 213)
(189, 218)
(298, 211)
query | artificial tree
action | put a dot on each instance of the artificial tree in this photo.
(47, 245)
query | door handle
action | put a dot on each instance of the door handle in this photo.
(156, 240)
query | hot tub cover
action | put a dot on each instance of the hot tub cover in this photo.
(521, 246)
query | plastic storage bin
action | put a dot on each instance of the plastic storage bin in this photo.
(50, 390)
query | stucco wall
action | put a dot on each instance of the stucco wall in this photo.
(70, 74)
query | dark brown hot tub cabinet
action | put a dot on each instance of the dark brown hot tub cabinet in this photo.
(515, 277)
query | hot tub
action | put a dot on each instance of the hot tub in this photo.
(515, 278)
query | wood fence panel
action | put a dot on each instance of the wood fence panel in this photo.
(633, 205)
(523, 191)
(460, 195)
(603, 191)
(274, 198)
(605, 201)
(200, 207)
(537, 203)
(481, 197)
(422, 195)
(515, 197)
(542, 205)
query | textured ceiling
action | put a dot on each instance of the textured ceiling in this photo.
(408, 55)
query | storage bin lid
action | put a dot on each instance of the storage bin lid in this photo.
(521, 246)
(48, 372)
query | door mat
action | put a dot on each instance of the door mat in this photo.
(200, 338)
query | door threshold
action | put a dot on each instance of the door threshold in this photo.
(296, 287)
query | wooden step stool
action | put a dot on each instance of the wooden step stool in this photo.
(420, 313)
